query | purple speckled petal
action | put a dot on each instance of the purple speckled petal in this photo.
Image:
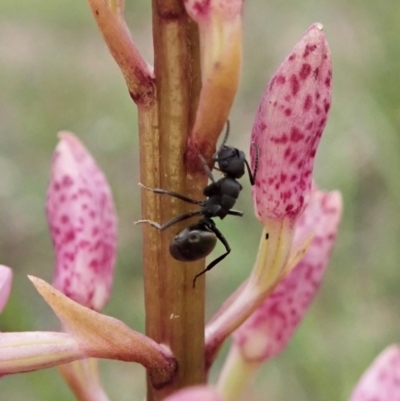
(82, 222)
(197, 393)
(5, 285)
(288, 126)
(270, 327)
(381, 382)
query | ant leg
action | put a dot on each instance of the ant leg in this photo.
(233, 212)
(206, 168)
(170, 193)
(252, 176)
(221, 237)
(173, 221)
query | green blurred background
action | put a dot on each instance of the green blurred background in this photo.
(56, 73)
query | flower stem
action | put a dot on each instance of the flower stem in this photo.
(174, 310)
(83, 379)
(236, 375)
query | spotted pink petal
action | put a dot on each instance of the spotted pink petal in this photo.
(381, 382)
(196, 393)
(5, 285)
(82, 221)
(288, 126)
(268, 330)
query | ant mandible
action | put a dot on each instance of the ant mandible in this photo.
(197, 241)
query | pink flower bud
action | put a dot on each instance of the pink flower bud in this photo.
(289, 123)
(381, 382)
(82, 221)
(197, 393)
(5, 285)
(268, 330)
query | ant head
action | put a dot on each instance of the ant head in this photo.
(231, 161)
(193, 243)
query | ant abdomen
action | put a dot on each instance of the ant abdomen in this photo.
(193, 243)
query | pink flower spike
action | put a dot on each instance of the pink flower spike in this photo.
(196, 393)
(5, 285)
(289, 123)
(82, 222)
(381, 381)
(269, 329)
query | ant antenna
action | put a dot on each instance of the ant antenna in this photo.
(228, 127)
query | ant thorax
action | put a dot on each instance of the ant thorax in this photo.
(221, 197)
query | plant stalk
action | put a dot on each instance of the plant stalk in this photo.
(174, 310)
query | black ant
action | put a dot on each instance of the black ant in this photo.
(197, 241)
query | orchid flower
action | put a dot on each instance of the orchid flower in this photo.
(268, 330)
(82, 222)
(289, 124)
(286, 132)
(381, 381)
